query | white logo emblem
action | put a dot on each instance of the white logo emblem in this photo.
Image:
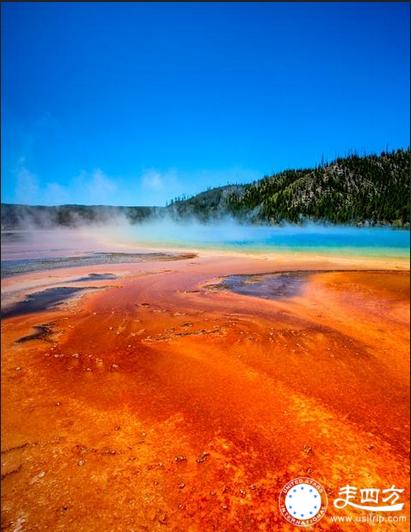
(303, 501)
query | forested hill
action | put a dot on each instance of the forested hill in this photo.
(15, 216)
(373, 189)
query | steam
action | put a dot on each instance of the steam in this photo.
(36, 233)
(147, 186)
(227, 233)
(92, 186)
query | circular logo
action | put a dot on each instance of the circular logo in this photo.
(303, 501)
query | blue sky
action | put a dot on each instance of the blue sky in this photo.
(133, 104)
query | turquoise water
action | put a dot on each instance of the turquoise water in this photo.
(349, 241)
(335, 240)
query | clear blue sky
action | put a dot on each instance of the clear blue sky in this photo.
(120, 103)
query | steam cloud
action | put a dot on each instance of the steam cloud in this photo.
(113, 231)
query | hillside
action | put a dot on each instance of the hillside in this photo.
(373, 189)
(209, 205)
(35, 216)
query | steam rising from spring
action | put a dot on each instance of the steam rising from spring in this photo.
(113, 231)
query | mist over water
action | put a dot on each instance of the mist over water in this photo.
(228, 235)
(231, 235)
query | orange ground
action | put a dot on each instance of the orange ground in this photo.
(161, 404)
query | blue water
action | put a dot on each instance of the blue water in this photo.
(335, 240)
(351, 241)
